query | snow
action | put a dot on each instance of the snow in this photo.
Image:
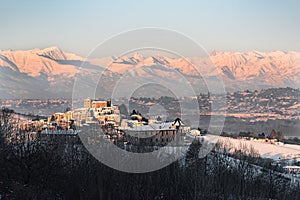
(291, 167)
(267, 150)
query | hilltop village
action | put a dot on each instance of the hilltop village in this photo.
(136, 130)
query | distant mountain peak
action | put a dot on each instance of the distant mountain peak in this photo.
(54, 53)
(214, 52)
(53, 48)
(138, 56)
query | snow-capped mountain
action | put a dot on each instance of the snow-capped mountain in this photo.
(50, 72)
(41, 73)
(273, 69)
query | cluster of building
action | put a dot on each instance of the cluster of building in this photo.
(104, 111)
(94, 110)
(263, 105)
(141, 131)
(137, 130)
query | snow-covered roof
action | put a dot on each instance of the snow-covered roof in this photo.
(59, 113)
(291, 167)
(153, 127)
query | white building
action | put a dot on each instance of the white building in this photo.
(155, 134)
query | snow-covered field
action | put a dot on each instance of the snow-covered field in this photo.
(266, 150)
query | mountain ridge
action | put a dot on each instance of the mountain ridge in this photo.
(56, 69)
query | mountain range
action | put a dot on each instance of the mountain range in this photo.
(51, 72)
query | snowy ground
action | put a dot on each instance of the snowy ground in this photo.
(266, 150)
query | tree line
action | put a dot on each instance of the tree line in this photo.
(55, 169)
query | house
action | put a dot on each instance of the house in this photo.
(154, 133)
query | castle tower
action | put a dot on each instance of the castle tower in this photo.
(87, 103)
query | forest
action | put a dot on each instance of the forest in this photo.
(56, 169)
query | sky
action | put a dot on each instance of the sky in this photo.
(79, 25)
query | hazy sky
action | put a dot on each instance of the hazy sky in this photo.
(78, 25)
